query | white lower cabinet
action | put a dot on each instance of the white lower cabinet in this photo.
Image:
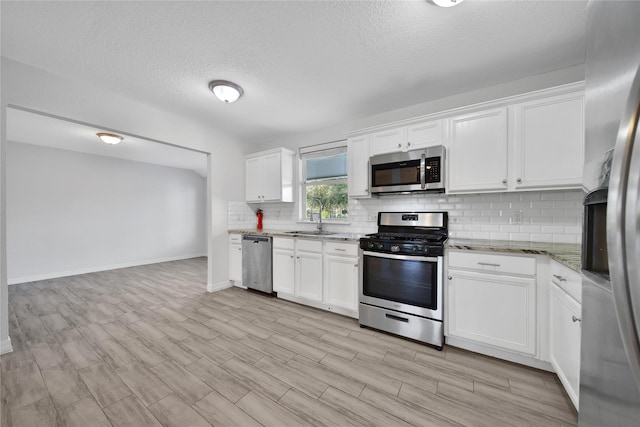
(493, 305)
(308, 271)
(341, 277)
(283, 265)
(316, 273)
(565, 331)
(235, 258)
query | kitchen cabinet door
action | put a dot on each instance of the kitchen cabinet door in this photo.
(358, 153)
(269, 176)
(254, 173)
(309, 275)
(423, 135)
(478, 152)
(272, 181)
(283, 270)
(389, 141)
(493, 309)
(341, 282)
(549, 142)
(235, 258)
(565, 332)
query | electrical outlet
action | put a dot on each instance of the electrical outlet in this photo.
(516, 218)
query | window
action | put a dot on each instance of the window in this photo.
(324, 177)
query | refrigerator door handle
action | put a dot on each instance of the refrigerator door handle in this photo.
(623, 227)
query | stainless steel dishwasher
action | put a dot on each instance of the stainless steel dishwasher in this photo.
(256, 263)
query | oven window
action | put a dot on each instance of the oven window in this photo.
(405, 173)
(400, 280)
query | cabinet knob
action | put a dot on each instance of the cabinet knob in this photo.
(399, 145)
(519, 180)
(355, 265)
(576, 319)
(291, 256)
(408, 144)
(504, 181)
(449, 277)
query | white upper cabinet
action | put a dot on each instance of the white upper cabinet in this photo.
(412, 137)
(358, 152)
(478, 151)
(549, 142)
(269, 176)
(389, 141)
(423, 135)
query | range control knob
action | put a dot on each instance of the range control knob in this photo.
(370, 245)
(379, 246)
(426, 249)
(415, 249)
(395, 248)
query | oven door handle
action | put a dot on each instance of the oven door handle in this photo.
(403, 257)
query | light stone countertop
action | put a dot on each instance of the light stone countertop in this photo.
(566, 254)
(345, 237)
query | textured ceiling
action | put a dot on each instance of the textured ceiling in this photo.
(303, 65)
(38, 129)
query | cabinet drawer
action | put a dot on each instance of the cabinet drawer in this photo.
(336, 248)
(568, 280)
(235, 239)
(283, 243)
(309, 245)
(495, 263)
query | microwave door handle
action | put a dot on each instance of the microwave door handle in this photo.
(423, 179)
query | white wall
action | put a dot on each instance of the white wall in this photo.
(29, 87)
(70, 213)
(529, 84)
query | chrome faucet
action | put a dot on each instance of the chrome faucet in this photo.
(319, 213)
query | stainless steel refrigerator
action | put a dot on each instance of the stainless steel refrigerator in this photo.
(610, 354)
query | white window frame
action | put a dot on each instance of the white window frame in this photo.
(314, 151)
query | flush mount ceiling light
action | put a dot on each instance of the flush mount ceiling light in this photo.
(109, 138)
(446, 3)
(226, 91)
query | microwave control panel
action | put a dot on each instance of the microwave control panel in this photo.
(432, 169)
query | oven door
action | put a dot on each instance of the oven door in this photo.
(404, 283)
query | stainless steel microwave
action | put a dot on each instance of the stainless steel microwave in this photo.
(408, 172)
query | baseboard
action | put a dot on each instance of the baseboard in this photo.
(215, 287)
(5, 346)
(55, 275)
(499, 354)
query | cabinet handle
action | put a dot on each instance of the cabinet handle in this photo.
(399, 145)
(366, 190)
(339, 250)
(297, 257)
(408, 144)
(576, 319)
(560, 278)
(291, 256)
(355, 265)
(488, 264)
(240, 249)
(519, 180)
(504, 181)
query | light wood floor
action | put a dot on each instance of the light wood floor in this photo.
(147, 346)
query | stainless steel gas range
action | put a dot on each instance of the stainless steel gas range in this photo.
(401, 275)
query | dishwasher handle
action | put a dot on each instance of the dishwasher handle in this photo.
(256, 239)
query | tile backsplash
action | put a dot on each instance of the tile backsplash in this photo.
(539, 216)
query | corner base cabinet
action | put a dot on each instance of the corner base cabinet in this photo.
(235, 258)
